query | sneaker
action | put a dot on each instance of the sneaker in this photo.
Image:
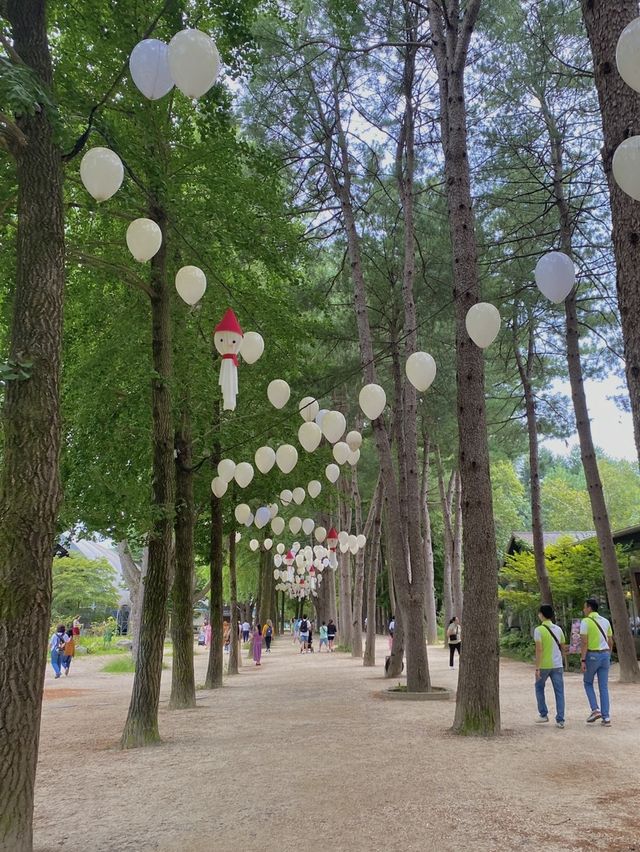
(595, 715)
(606, 723)
(541, 720)
(559, 724)
(66, 672)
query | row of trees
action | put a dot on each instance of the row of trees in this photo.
(368, 189)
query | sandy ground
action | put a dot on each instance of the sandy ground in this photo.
(302, 753)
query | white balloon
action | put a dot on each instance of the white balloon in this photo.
(277, 560)
(277, 526)
(219, 486)
(101, 172)
(286, 497)
(191, 282)
(341, 452)
(144, 239)
(309, 436)
(332, 472)
(254, 544)
(314, 488)
(353, 541)
(320, 416)
(354, 457)
(555, 275)
(308, 551)
(194, 62)
(149, 67)
(307, 526)
(252, 346)
(343, 537)
(265, 458)
(298, 495)
(483, 324)
(280, 547)
(354, 439)
(276, 574)
(333, 425)
(354, 548)
(249, 520)
(308, 408)
(295, 525)
(295, 547)
(626, 166)
(263, 516)
(320, 534)
(243, 474)
(226, 469)
(268, 544)
(300, 562)
(627, 53)
(372, 400)
(238, 537)
(362, 540)
(273, 509)
(344, 547)
(278, 393)
(286, 457)
(421, 370)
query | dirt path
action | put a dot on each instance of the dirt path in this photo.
(302, 753)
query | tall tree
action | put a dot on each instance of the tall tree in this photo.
(30, 489)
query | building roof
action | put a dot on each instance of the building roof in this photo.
(104, 550)
(548, 537)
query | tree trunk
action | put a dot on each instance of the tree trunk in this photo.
(358, 578)
(134, 580)
(183, 684)
(372, 577)
(456, 563)
(625, 644)
(344, 567)
(448, 543)
(215, 666)
(30, 490)
(431, 616)
(478, 704)
(525, 370)
(620, 111)
(141, 727)
(234, 650)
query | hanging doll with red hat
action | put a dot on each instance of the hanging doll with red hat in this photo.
(227, 338)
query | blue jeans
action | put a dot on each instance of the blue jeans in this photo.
(557, 681)
(66, 661)
(56, 661)
(598, 664)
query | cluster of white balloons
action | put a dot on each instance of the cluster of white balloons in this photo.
(190, 61)
(626, 159)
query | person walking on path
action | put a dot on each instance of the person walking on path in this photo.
(246, 628)
(596, 643)
(304, 634)
(331, 634)
(257, 644)
(56, 646)
(267, 632)
(75, 629)
(296, 630)
(551, 648)
(68, 650)
(324, 640)
(310, 641)
(392, 627)
(454, 638)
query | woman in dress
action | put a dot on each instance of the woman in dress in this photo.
(256, 641)
(454, 638)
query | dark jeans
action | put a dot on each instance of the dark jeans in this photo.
(245, 635)
(66, 661)
(267, 642)
(452, 649)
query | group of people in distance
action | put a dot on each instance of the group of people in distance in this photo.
(302, 632)
(62, 646)
(596, 644)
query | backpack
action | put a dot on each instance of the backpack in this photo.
(269, 631)
(304, 626)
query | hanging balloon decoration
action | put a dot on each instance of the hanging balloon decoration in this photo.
(219, 486)
(421, 370)
(228, 339)
(308, 408)
(101, 172)
(238, 537)
(341, 452)
(314, 488)
(262, 517)
(483, 324)
(194, 62)
(295, 524)
(280, 547)
(277, 526)
(362, 540)
(372, 400)
(144, 239)
(332, 543)
(252, 347)
(265, 458)
(332, 472)
(273, 509)
(242, 512)
(298, 495)
(333, 426)
(555, 275)
(286, 497)
(320, 534)
(254, 544)
(627, 52)
(626, 166)
(286, 457)
(354, 440)
(320, 416)
(309, 436)
(191, 283)
(307, 526)
(343, 538)
(149, 67)
(249, 520)
(278, 393)
(226, 469)
(353, 457)
(243, 474)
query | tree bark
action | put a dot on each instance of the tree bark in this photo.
(478, 704)
(625, 644)
(525, 369)
(30, 491)
(431, 616)
(372, 578)
(141, 727)
(457, 597)
(215, 666)
(358, 582)
(183, 684)
(620, 112)
(344, 566)
(234, 650)
(448, 542)
(134, 578)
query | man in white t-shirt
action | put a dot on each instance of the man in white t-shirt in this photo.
(550, 649)
(596, 642)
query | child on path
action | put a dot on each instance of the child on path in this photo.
(323, 637)
(56, 645)
(331, 634)
(268, 635)
(257, 644)
(68, 649)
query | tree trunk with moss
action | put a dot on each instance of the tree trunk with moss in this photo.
(215, 666)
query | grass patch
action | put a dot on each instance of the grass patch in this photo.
(123, 666)
(96, 647)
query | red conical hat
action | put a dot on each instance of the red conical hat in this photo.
(333, 533)
(229, 322)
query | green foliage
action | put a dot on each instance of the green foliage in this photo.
(80, 583)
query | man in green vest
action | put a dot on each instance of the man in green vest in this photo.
(550, 650)
(596, 642)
